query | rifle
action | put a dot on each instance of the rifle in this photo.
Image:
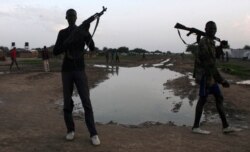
(192, 30)
(82, 29)
(85, 24)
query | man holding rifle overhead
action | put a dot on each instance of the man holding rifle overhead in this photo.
(71, 41)
(209, 77)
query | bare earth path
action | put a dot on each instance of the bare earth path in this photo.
(30, 121)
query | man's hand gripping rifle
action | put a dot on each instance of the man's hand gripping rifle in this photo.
(83, 28)
(192, 30)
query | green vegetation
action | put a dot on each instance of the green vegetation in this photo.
(31, 61)
(36, 64)
(236, 67)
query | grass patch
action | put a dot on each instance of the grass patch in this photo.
(30, 61)
(239, 69)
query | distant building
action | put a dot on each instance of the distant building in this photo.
(34, 53)
(25, 54)
(2, 56)
(238, 53)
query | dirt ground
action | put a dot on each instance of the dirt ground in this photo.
(30, 121)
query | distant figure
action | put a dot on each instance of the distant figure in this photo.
(227, 56)
(223, 56)
(143, 66)
(73, 72)
(210, 78)
(117, 70)
(13, 58)
(45, 57)
(112, 56)
(182, 55)
(219, 52)
(107, 68)
(112, 69)
(143, 56)
(117, 59)
(107, 56)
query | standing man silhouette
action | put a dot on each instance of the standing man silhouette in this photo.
(13, 58)
(73, 72)
(210, 79)
(45, 57)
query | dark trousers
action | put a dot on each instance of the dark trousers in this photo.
(13, 60)
(78, 78)
(219, 105)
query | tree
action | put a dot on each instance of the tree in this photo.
(5, 49)
(104, 49)
(169, 52)
(97, 49)
(158, 52)
(123, 49)
(192, 48)
(138, 50)
(224, 44)
(246, 47)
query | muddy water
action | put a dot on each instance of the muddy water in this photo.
(137, 95)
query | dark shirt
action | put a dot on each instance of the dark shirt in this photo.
(13, 53)
(71, 41)
(206, 61)
(45, 54)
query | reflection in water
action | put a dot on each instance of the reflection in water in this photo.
(117, 70)
(177, 107)
(246, 82)
(113, 69)
(162, 63)
(4, 72)
(184, 89)
(137, 95)
(143, 66)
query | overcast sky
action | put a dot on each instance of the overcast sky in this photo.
(146, 24)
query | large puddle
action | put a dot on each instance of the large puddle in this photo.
(137, 95)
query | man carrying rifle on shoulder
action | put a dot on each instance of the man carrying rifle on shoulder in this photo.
(209, 78)
(71, 41)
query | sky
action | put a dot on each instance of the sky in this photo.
(147, 24)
